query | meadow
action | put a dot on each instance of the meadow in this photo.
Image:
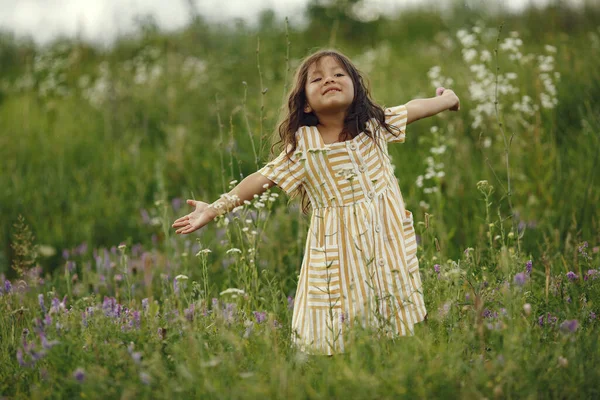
(100, 148)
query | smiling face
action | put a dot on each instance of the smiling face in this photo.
(329, 89)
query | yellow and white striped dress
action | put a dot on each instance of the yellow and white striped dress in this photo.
(360, 261)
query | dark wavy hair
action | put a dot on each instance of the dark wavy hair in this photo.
(358, 114)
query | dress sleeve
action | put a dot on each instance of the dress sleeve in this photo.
(288, 174)
(396, 116)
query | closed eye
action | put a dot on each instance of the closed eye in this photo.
(339, 73)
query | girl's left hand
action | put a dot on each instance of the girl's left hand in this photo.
(448, 92)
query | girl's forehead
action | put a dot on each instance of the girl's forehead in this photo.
(324, 63)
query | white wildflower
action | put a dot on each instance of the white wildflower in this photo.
(232, 291)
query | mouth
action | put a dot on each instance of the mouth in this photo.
(331, 90)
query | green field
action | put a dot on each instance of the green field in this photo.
(100, 148)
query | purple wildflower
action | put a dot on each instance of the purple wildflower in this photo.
(229, 312)
(550, 319)
(145, 378)
(568, 299)
(569, 325)
(175, 286)
(528, 267)
(215, 303)
(145, 216)
(22, 362)
(581, 250)
(41, 302)
(65, 254)
(176, 203)
(136, 319)
(436, 268)
(571, 275)
(79, 374)
(260, 316)
(520, 279)
(82, 249)
(591, 273)
(592, 315)
(489, 314)
(7, 286)
(290, 301)
(48, 344)
(145, 304)
(189, 312)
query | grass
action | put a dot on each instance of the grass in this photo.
(93, 179)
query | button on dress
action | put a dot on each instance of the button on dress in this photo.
(360, 260)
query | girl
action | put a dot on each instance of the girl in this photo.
(360, 260)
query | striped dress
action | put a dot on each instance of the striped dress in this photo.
(360, 260)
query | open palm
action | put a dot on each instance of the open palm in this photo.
(196, 219)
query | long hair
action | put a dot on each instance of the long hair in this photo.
(358, 114)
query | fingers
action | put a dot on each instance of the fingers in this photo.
(439, 91)
(187, 229)
(183, 220)
(191, 202)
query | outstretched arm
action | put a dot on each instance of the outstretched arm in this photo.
(204, 212)
(422, 108)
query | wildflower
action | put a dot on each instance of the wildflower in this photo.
(527, 308)
(145, 378)
(181, 278)
(41, 302)
(79, 374)
(233, 250)
(20, 360)
(232, 290)
(569, 325)
(592, 316)
(591, 273)
(204, 251)
(520, 278)
(290, 301)
(260, 316)
(47, 344)
(563, 362)
(482, 185)
(189, 312)
(136, 319)
(436, 268)
(122, 246)
(145, 304)
(7, 286)
(571, 275)
(550, 319)
(528, 267)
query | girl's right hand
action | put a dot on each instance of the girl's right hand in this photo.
(201, 216)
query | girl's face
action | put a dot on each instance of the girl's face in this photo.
(329, 89)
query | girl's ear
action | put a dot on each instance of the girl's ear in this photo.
(307, 108)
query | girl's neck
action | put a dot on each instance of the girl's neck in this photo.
(331, 125)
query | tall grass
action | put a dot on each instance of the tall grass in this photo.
(98, 298)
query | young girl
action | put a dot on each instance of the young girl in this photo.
(360, 260)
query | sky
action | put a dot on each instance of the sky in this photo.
(101, 21)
